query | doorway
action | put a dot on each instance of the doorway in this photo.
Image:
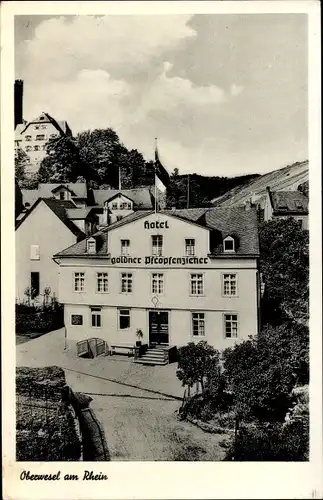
(158, 327)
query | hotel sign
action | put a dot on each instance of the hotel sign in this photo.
(153, 260)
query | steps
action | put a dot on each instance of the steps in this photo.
(154, 356)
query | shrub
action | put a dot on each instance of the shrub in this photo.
(270, 442)
(194, 362)
(45, 425)
(262, 372)
(35, 320)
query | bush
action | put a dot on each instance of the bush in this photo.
(40, 383)
(270, 442)
(45, 425)
(35, 320)
(262, 372)
(195, 362)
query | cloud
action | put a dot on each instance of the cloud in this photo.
(235, 89)
(61, 46)
(168, 77)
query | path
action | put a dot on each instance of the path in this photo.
(136, 404)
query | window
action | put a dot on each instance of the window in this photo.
(34, 283)
(36, 127)
(102, 282)
(96, 317)
(52, 136)
(36, 148)
(230, 284)
(190, 246)
(125, 244)
(28, 148)
(62, 195)
(91, 243)
(40, 137)
(124, 318)
(79, 281)
(198, 324)
(76, 319)
(157, 244)
(43, 127)
(114, 206)
(126, 282)
(34, 252)
(125, 206)
(44, 147)
(228, 244)
(197, 285)
(300, 223)
(231, 325)
(157, 283)
(28, 138)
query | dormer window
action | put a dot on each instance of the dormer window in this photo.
(114, 206)
(228, 244)
(91, 246)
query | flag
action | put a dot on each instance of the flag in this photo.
(161, 171)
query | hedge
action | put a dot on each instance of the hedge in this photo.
(46, 426)
(39, 322)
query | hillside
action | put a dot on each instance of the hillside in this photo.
(288, 178)
(198, 190)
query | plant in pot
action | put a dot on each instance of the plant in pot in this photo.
(139, 336)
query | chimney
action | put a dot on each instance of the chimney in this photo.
(18, 98)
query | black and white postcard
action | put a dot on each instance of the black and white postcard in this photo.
(161, 244)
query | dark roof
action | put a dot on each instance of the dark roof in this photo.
(60, 208)
(47, 190)
(292, 202)
(237, 221)
(142, 197)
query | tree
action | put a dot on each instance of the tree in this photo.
(284, 264)
(194, 361)
(261, 372)
(62, 163)
(21, 164)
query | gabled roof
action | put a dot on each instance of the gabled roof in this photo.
(141, 197)
(63, 186)
(237, 221)
(80, 213)
(47, 190)
(60, 125)
(59, 208)
(289, 202)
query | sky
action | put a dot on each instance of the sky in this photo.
(225, 94)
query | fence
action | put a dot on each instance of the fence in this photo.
(91, 347)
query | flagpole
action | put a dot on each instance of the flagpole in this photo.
(155, 176)
(188, 190)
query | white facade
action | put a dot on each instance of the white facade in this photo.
(33, 136)
(37, 239)
(128, 284)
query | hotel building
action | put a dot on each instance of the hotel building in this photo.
(177, 275)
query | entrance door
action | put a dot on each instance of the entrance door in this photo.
(158, 327)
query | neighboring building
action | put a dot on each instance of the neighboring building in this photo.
(283, 204)
(18, 200)
(290, 178)
(18, 102)
(48, 227)
(33, 136)
(117, 204)
(178, 275)
(77, 192)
